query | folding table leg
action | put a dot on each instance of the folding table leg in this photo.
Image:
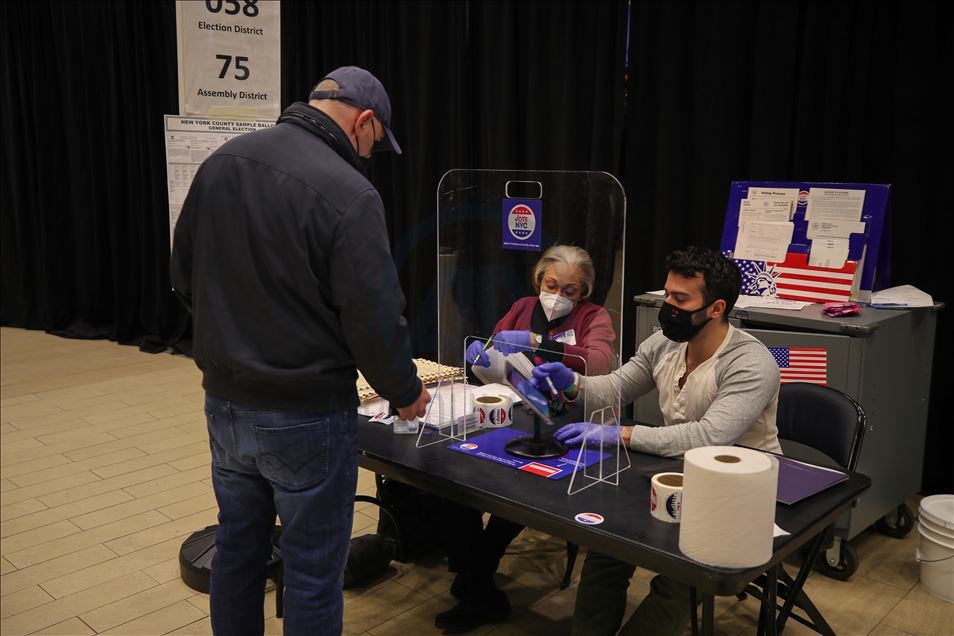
(693, 613)
(771, 599)
(795, 587)
(708, 614)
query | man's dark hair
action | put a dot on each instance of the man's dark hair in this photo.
(721, 278)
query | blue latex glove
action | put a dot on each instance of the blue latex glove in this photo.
(572, 434)
(507, 342)
(560, 375)
(476, 354)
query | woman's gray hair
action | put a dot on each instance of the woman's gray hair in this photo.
(571, 255)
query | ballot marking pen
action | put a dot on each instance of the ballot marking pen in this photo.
(553, 390)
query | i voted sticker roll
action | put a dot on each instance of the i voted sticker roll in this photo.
(728, 506)
(496, 411)
(665, 497)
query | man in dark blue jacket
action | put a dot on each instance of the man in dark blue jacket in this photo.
(281, 254)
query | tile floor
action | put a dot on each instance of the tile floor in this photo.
(104, 471)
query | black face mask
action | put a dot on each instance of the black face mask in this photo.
(677, 323)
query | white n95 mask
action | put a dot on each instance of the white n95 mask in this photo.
(555, 306)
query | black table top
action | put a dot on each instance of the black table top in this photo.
(629, 532)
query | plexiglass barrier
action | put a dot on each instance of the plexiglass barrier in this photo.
(493, 228)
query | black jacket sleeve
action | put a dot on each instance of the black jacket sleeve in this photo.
(180, 267)
(367, 294)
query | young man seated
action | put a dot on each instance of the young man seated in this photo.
(717, 386)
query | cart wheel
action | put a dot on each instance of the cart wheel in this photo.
(846, 566)
(898, 523)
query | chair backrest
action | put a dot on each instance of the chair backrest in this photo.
(822, 418)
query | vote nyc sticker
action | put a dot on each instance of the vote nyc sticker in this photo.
(589, 518)
(521, 224)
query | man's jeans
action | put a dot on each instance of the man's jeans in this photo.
(304, 466)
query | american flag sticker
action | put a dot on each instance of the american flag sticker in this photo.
(795, 279)
(540, 469)
(801, 364)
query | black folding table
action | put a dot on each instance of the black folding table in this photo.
(628, 531)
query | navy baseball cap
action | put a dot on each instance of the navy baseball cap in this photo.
(360, 88)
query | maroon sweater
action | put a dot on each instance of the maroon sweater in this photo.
(591, 325)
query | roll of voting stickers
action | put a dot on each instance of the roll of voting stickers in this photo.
(665, 501)
(496, 411)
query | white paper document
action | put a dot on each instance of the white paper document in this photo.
(763, 241)
(495, 372)
(834, 228)
(772, 210)
(828, 253)
(770, 302)
(764, 192)
(901, 296)
(835, 203)
(779, 194)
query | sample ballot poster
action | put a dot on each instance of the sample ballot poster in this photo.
(189, 140)
(229, 58)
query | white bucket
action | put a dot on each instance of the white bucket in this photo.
(936, 554)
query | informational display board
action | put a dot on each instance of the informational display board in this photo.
(809, 241)
(189, 140)
(229, 58)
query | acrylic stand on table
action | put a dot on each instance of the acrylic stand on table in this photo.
(603, 474)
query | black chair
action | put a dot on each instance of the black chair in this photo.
(832, 423)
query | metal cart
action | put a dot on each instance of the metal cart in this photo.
(882, 359)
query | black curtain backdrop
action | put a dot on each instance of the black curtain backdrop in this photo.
(717, 91)
(815, 91)
(506, 85)
(85, 218)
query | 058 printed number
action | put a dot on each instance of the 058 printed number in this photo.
(249, 9)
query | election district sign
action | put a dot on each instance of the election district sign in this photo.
(229, 58)
(522, 223)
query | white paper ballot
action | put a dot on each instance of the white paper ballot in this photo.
(495, 372)
(772, 210)
(833, 228)
(828, 253)
(763, 241)
(835, 203)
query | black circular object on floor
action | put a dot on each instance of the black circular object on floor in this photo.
(195, 558)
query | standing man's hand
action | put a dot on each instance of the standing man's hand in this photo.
(418, 408)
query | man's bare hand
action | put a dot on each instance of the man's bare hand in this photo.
(418, 408)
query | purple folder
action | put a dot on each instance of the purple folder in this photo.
(798, 480)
